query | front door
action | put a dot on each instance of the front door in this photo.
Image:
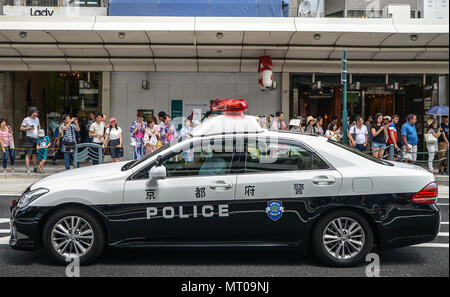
(274, 190)
(193, 203)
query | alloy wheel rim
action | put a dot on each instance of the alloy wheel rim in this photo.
(72, 236)
(343, 238)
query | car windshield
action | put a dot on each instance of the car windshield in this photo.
(135, 163)
(359, 153)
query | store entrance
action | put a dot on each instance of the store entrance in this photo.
(380, 103)
(55, 94)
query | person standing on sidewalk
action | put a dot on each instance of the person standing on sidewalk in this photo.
(6, 144)
(358, 135)
(443, 145)
(379, 133)
(31, 126)
(69, 138)
(96, 131)
(431, 139)
(319, 126)
(392, 134)
(277, 123)
(167, 130)
(114, 134)
(43, 143)
(410, 139)
(137, 133)
(151, 135)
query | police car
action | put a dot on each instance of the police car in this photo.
(232, 183)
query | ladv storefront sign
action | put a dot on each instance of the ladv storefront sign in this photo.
(51, 11)
(41, 12)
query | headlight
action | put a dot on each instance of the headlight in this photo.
(29, 197)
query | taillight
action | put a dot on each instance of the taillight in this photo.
(427, 195)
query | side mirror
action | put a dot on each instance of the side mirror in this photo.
(159, 160)
(156, 173)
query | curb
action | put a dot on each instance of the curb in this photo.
(442, 178)
(25, 175)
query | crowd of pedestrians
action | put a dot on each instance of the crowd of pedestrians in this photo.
(371, 136)
(376, 134)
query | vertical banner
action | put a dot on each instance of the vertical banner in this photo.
(176, 111)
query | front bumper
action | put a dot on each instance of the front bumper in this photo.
(24, 225)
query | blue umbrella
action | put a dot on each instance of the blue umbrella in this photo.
(438, 110)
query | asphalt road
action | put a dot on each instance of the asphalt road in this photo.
(410, 261)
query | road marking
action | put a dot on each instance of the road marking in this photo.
(432, 244)
(444, 223)
(442, 204)
(4, 221)
(4, 240)
(443, 234)
(6, 231)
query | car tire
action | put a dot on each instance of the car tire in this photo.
(97, 242)
(322, 233)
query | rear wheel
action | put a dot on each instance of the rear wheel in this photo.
(70, 233)
(342, 238)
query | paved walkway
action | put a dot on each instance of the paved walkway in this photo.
(16, 183)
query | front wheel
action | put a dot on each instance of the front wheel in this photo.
(73, 233)
(342, 238)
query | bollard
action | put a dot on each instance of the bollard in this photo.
(75, 156)
(448, 159)
(391, 152)
(100, 156)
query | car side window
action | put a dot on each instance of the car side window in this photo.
(143, 173)
(201, 158)
(280, 156)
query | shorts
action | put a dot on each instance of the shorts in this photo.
(42, 154)
(377, 145)
(30, 145)
(116, 152)
(410, 155)
(360, 147)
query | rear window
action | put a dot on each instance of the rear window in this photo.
(361, 154)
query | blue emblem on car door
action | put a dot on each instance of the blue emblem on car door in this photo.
(274, 209)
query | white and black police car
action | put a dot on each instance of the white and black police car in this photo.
(232, 183)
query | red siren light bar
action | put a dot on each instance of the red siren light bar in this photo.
(232, 106)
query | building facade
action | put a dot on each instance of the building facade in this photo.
(121, 64)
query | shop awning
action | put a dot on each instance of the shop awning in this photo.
(221, 44)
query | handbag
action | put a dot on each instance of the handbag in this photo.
(132, 141)
(430, 138)
(153, 140)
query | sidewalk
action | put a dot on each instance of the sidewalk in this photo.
(16, 183)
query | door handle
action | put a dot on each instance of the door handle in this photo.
(323, 180)
(221, 185)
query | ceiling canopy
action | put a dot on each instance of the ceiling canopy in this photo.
(222, 44)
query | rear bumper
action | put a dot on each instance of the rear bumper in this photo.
(412, 226)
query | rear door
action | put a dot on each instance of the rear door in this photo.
(277, 182)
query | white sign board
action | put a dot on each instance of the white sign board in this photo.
(435, 9)
(197, 107)
(295, 122)
(49, 11)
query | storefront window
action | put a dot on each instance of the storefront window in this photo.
(57, 93)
